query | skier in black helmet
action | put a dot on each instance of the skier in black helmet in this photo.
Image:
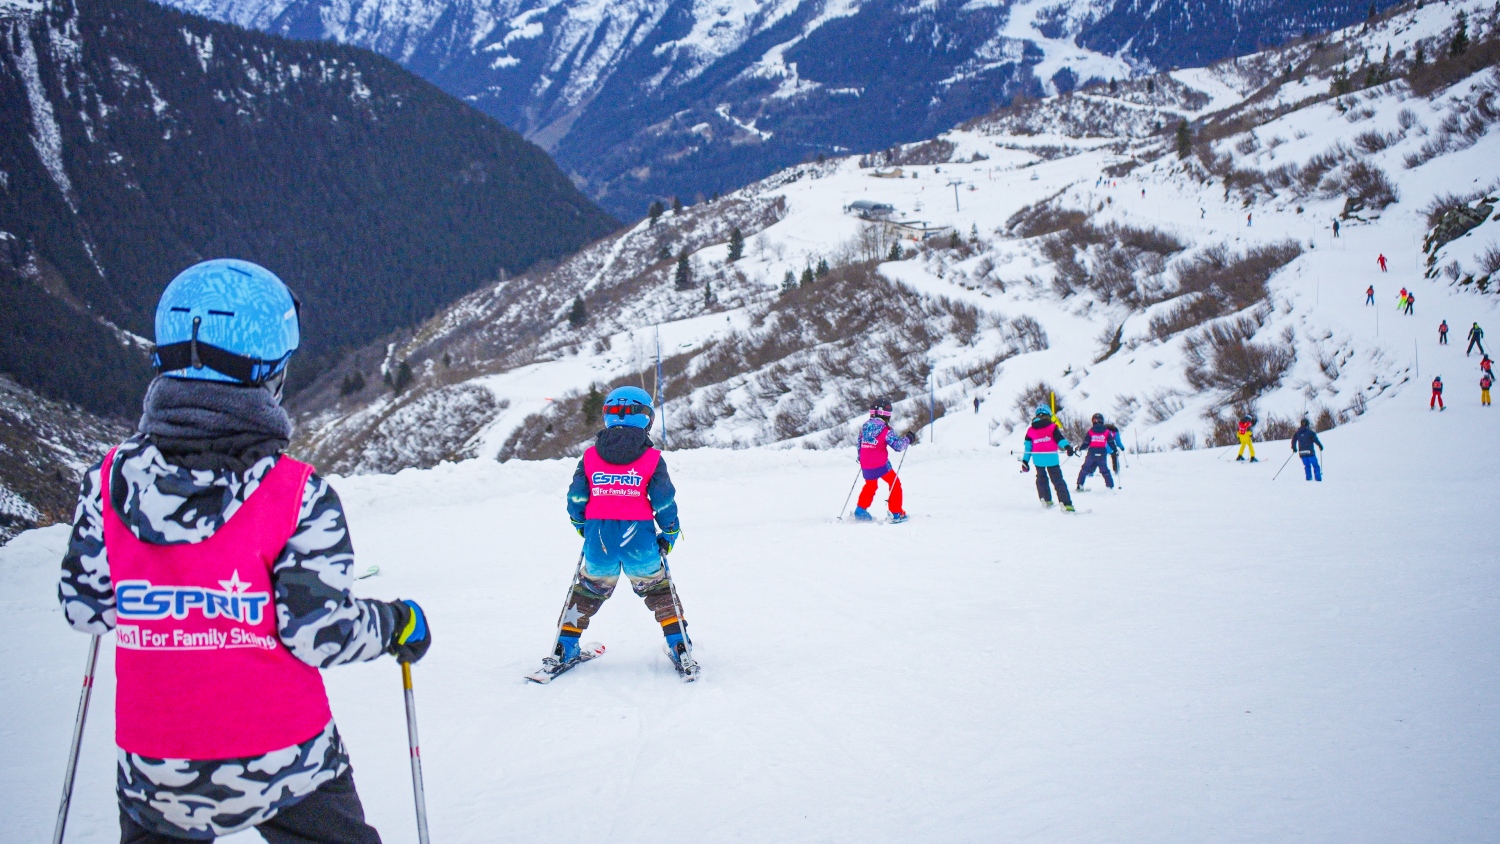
(1098, 454)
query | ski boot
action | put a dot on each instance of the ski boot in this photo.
(1068, 508)
(567, 649)
(1240, 459)
(1255, 460)
(1047, 501)
(862, 515)
(1078, 488)
(678, 648)
(898, 518)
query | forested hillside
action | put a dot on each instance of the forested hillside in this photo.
(136, 140)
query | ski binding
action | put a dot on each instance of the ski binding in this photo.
(552, 667)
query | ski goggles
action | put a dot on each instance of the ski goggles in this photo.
(623, 410)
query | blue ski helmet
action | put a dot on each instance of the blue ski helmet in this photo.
(629, 406)
(226, 320)
(1043, 410)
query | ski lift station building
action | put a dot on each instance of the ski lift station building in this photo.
(867, 210)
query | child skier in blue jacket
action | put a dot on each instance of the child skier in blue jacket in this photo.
(1303, 442)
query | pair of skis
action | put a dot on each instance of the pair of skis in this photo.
(552, 667)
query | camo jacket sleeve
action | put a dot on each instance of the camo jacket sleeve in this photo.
(85, 591)
(318, 618)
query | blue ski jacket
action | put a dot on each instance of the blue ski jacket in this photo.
(1304, 440)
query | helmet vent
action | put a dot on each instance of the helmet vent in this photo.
(221, 313)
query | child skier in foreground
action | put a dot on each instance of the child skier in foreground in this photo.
(621, 486)
(875, 438)
(224, 568)
(1043, 439)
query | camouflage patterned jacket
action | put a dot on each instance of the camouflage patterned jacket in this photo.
(318, 619)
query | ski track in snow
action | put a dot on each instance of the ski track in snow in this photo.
(1210, 654)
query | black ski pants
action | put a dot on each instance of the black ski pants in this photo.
(330, 815)
(1474, 341)
(1055, 473)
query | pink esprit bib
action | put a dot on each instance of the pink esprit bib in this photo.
(201, 672)
(619, 492)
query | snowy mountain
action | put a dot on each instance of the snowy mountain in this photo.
(1154, 249)
(137, 140)
(653, 98)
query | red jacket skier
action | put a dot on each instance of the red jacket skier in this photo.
(1381, 261)
(1437, 394)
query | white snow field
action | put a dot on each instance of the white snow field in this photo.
(1204, 655)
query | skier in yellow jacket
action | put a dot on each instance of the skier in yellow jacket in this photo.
(1246, 434)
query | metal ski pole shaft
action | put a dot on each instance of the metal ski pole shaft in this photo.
(899, 464)
(83, 712)
(419, 794)
(568, 599)
(1283, 466)
(857, 474)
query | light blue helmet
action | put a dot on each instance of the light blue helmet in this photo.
(630, 406)
(226, 320)
(1043, 410)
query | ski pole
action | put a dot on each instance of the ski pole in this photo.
(857, 474)
(899, 464)
(83, 712)
(416, 753)
(677, 605)
(1283, 466)
(568, 599)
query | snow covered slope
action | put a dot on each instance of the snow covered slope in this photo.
(1208, 654)
(651, 98)
(1091, 260)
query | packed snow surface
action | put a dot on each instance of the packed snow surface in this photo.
(1206, 654)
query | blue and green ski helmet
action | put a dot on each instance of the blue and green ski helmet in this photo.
(226, 320)
(630, 406)
(1043, 410)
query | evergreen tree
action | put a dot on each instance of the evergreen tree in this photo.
(708, 293)
(402, 377)
(822, 268)
(1460, 42)
(664, 253)
(1184, 140)
(447, 360)
(655, 211)
(1419, 59)
(593, 405)
(1114, 85)
(788, 282)
(1371, 14)
(353, 383)
(895, 254)
(1150, 86)
(676, 206)
(682, 279)
(974, 233)
(807, 276)
(736, 244)
(578, 315)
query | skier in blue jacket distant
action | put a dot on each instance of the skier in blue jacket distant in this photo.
(1304, 442)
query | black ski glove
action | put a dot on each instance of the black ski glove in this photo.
(1025, 466)
(411, 637)
(1071, 451)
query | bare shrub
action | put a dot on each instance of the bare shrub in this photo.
(1364, 182)
(1163, 405)
(1323, 420)
(1037, 395)
(1225, 282)
(1444, 203)
(1277, 428)
(1222, 357)
(1027, 335)
(1186, 441)
(1043, 218)
(1371, 141)
(1406, 118)
(1489, 260)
